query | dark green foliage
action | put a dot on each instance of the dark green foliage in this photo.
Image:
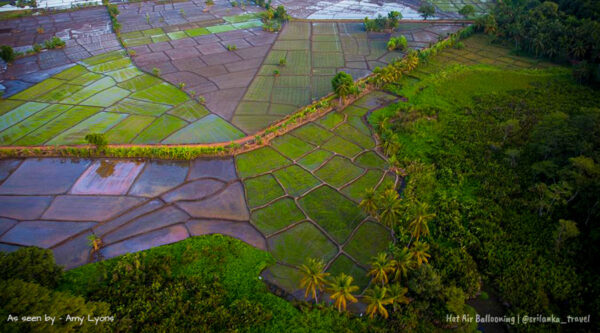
(202, 284)
(7, 53)
(97, 139)
(273, 18)
(343, 84)
(20, 298)
(426, 10)
(467, 11)
(397, 43)
(54, 43)
(30, 264)
(381, 23)
(27, 277)
(543, 29)
(501, 173)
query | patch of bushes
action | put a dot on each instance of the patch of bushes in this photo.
(7, 53)
(28, 278)
(381, 23)
(426, 10)
(97, 139)
(397, 43)
(273, 18)
(54, 43)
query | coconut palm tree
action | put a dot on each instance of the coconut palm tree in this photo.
(398, 294)
(341, 290)
(418, 226)
(314, 279)
(419, 252)
(377, 299)
(368, 203)
(403, 262)
(390, 145)
(389, 209)
(381, 266)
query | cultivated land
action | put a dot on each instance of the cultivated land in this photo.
(188, 45)
(295, 198)
(289, 198)
(459, 131)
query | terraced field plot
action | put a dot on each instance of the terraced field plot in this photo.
(158, 35)
(306, 56)
(303, 191)
(453, 6)
(288, 198)
(107, 94)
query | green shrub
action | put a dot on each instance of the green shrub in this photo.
(54, 43)
(97, 139)
(31, 264)
(381, 23)
(397, 43)
(37, 48)
(231, 47)
(20, 298)
(7, 53)
(467, 11)
(343, 85)
(426, 10)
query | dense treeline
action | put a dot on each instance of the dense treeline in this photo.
(564, 31)
(513, 183)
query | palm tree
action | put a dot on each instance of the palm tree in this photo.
(418, 226)
(390, 145)
(313, 280)
(419, 252)
(398, 294)
(403, 260)
(390, 209)
(368, 203)
(381, 266)
(377, 300)
(341, 290)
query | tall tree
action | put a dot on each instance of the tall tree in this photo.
(398, 295)
(343, 85)
(389, 208)
(314, 279)
(419, 251)
(341, 290)
(403, 262)
(369, 202)
(377, 299)
(381, 266)
(418, 226)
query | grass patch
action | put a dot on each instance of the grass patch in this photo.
(343, 147)
(261, 190)
(291, 146)
(362, 247)
(315, 159)
(336, 214)
(296, 180)
(302, 241)
(312, 133)
(338, 171)
(276, 216)
(259, 161)
(357, 188)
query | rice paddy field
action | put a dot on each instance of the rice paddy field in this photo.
(107, 94)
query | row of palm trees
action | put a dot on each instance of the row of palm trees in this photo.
(387, 273)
